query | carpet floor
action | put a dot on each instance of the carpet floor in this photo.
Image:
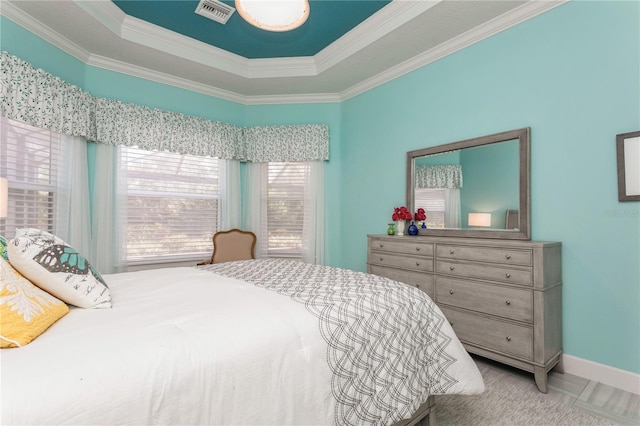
(511, 398)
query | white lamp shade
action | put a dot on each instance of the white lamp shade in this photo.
(274, 15)
(479, 219)
(4, 197)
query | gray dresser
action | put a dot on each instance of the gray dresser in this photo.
(503, 298)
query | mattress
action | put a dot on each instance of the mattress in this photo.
(250, 342)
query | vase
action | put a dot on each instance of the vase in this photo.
(424, 225)
(400, 224)
(412, 229)
(391, 230)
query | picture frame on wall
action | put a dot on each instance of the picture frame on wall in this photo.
(628, 155)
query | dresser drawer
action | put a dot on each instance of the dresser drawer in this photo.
(402, 245)
(486, 272)
(401, 261)
(417, 279)
(480, 254)
(492, 333)
(507, 302)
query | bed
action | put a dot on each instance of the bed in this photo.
(262, 341)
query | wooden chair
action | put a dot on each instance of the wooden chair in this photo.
(232, 245)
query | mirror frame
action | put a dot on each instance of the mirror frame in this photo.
(524, 230)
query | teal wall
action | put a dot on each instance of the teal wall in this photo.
(570, 74)
(28, 47)
(490, 176)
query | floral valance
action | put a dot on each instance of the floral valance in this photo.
(119, 123)
(38, 98)
(287, 143)
(440, 176)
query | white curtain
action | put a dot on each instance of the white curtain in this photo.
(107, 242)
(231, 194)
(452, 208)
(255, 210)
(72, 201)
(313, 228)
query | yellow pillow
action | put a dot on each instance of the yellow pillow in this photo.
(26, 311)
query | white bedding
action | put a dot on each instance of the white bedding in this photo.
(182, 346)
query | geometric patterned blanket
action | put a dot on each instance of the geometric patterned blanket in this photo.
(385, 344)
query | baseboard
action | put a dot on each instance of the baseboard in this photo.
(610, 376)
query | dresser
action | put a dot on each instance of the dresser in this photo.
(503, 298)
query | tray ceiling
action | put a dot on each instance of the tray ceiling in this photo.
(373, 43)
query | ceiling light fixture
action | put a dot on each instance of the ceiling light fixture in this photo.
(274, 15)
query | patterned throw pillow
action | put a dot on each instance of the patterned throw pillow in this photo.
(25, 310)
(3, 248)
(52, 265)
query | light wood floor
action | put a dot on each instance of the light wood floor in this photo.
(604, 401)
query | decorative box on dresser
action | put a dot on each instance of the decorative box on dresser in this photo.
(503, 298)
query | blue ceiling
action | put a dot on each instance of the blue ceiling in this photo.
(328, 21)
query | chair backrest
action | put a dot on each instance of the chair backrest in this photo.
(512, 219)
(233, 245)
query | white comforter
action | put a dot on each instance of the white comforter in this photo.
(182, 346)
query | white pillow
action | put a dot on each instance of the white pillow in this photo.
(57, 268)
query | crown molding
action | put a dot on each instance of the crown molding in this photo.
(309, 98)
(105, 12)
(505, 21)
(155, 37)
(146, 34)
(159, 77)
(132, 29)
(8, 10)
(150, 35)
(149, 74)
(385, 20)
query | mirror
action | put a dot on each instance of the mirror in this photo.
(473, 188)
(628, 155)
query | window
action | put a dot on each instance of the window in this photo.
(172, 205)
(285, 209)
(433, 203)
(29, 159)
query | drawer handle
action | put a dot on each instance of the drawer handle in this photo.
(508, 302)
(381, 259)
(451, 323)
(417, 263)
(417, 248)
(508, 275)
(381, 245)
(450, 251)
(508, 339)
(417, 285)
(450, 291)
(508, 256)
(451, 268)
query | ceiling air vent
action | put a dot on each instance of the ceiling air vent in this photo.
(215, 10)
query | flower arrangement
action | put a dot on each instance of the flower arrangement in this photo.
(420, 215)
(401, 213)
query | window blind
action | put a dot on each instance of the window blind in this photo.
(29, 159)
(173, 205)
(285, 209)
(432, 201)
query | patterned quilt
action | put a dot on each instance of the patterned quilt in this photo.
(388, 345)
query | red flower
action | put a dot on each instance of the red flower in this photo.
(420, 214)
(401, 213)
